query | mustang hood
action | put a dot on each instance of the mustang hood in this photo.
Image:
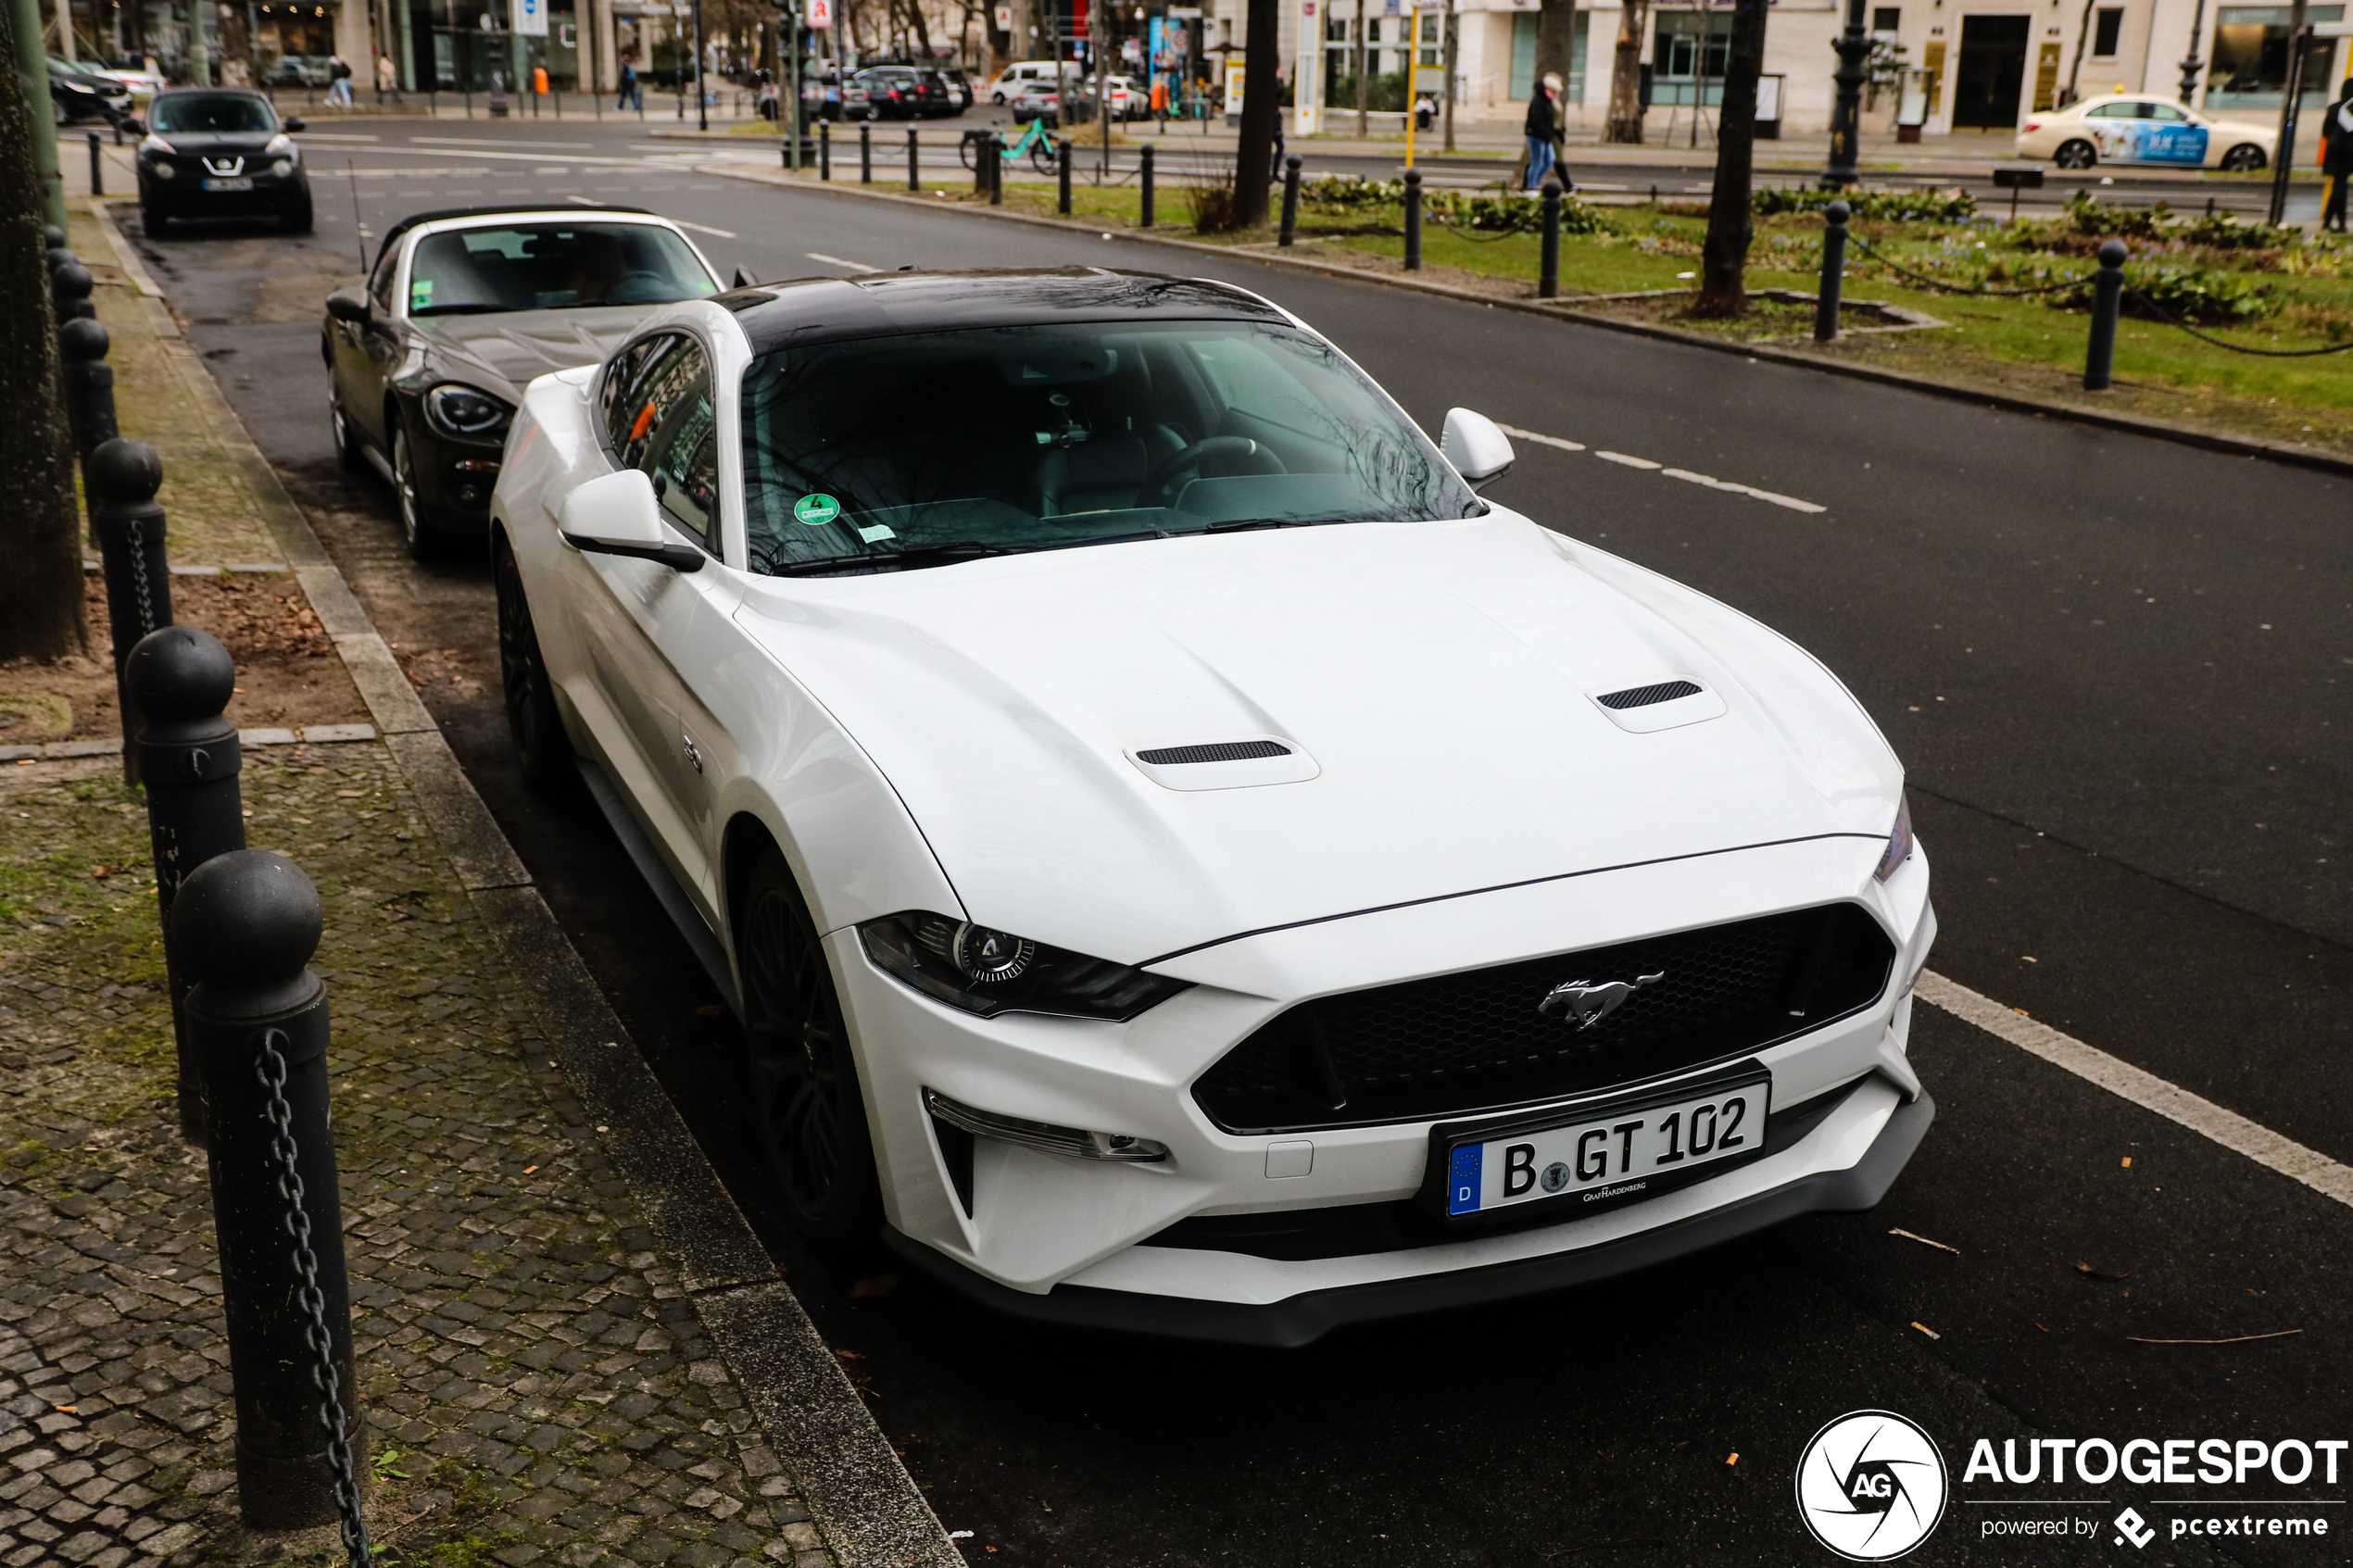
(1436, 682)
(517, 346)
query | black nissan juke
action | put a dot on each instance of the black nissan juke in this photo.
(214, 151)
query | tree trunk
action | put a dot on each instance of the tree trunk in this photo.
(2075, 67)
(1724, 259)
(40, 526)
(1555, 44)
(1626, 75)
(1261, 107)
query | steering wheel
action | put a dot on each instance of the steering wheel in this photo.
(617, 290)
(1158, 484)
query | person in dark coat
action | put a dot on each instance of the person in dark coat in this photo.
(1543, 127)
(2336, 157)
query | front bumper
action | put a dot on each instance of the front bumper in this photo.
(184, 191)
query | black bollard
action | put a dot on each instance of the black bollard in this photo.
(122, 477)
(182, 679)
(97, 170)
(824, 149)
(994, 151)
(247, 924)
(915, 176)
(89, 385)
(865, 153)
(1413, 221)
(1833, 272)
(52, 237)
(1144, 179)
(70, 285)
(1548, 275)
(1290, 201)
(1062, 156)
(2107, 295)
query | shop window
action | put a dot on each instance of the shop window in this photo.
(2250, 56)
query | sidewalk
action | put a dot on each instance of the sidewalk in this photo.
(561, 1359)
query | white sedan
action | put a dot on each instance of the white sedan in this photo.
(2134, 128)
(1183, 860)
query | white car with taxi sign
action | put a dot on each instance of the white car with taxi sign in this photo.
(2134, 128)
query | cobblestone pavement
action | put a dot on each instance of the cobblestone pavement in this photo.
(536, 1388)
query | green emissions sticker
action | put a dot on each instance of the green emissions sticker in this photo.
(816, 510)
(419, 293)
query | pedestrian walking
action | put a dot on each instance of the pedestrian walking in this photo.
(2336, 157)
(632, 94)
(388, 78)
(1542, 127)
(338, 82)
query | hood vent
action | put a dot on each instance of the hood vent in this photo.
(1642, 696)
(1216, 751)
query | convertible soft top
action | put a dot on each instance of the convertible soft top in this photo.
(887, 304)
(392, 236)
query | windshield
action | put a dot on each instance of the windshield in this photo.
(908, 450)
(231, 112)
(552, 266)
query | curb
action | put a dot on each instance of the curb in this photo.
(2128, 424)
(858, 1492)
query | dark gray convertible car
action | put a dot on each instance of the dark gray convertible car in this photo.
(428, 359)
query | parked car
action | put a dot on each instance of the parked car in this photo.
(1039, 101)
(1128, 99)
(819, 96)
(2134, 128)
(76, 92)
(1183, 860)
(138, 76)
(428, 359)
(941, 100)
(893, 92)
(1007, 84)
(215, 152)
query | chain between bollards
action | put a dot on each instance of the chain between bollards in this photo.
(1826, 301)
(1061, 167)
(2107, 294)
(1290, 229)
(1548, 271)
(1144, 208)
(1413, 221)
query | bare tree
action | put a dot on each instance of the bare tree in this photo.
(1724, 256)
(1261, 107)
(1626, 75)
(40, 528)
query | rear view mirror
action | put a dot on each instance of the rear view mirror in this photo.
(1477, 448)
(294, 126)
(617, 516)
(348, 305)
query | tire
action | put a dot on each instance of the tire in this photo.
(296, 217)
(812, 1119)
(1044, 157)
(2076, 153)
(2244, 159)
(419, 533)
(350, 455)
(153, 219)
(543, 750)
(965, 150)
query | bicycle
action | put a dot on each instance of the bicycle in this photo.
(1043, 152)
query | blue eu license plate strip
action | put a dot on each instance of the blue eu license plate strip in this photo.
(1464, 1178)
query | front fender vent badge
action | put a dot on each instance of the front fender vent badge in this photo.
(1233, 762)
(1215, 751)
(1666, 701)
(1642, 696)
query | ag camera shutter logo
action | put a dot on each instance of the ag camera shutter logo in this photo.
(1871, 1486)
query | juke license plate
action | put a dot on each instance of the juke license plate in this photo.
(1607, 1154)
(238, 183)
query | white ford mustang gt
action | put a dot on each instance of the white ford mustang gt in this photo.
(1183, 860)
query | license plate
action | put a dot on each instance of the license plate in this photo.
(240, 183)
(1584, 1158)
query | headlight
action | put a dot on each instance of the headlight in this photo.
(988, 971)
(283, 167)
(155, 143)
(162, 170)
(461, 412)
(1899, 842)
(280, 145)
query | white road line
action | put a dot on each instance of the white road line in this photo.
(837, 261)
(705, 229)
(485, 142)
(1727, 486)
(1565, 445)
(1630, 462)
(338, 137)
(2147, 1090)
(559, 169)
(585, 201)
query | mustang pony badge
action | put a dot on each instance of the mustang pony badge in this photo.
(1588, 1003)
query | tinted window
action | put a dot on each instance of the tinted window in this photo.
(380, 286)
(552, 266)
(1025, 438)
(225, 112)
(621, 375)
(672, 435)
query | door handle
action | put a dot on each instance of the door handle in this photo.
(694, 752)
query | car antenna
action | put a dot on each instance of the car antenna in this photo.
(908, 266)
(352, 175)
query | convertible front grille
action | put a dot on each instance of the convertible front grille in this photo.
(1461, 1043)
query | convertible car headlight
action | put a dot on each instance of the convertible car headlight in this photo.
(461, 412)
(1899, 842)
(988, 971)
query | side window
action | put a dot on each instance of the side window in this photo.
(620, 410)
(674, 437)
(380, 286)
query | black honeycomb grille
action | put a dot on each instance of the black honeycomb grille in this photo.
(1457, 1044)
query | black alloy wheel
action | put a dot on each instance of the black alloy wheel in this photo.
(2076, 153)
(813, 1121)
(2244, 159)
(543, 751)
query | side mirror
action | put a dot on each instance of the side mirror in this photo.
(294, 126)
(348, 305)
(617, 516)
(1477, 448)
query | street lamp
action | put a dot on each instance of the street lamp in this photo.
(1853, 47)
(2191, 64)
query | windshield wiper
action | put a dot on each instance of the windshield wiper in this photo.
(1243, 525)
(922, 555)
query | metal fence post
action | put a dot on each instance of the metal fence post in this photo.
(246, 923)
(97, 170)
(865, 153)
(89, 385)
(1144, 210)
(915, 176)
(1833, 272)
(2107, 295)
(188, 754)
(824, 149)
(994, 151)
(1062, 158)
(122, 477)
(1413, 221)
(1548, 276)
(1290, 201)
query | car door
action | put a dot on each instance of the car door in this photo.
(366, 353)
(2172, 135)
(2114, 131)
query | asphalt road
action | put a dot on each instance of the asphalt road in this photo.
(2117, 670)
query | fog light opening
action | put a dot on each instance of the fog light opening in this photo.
(1073, 1142)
